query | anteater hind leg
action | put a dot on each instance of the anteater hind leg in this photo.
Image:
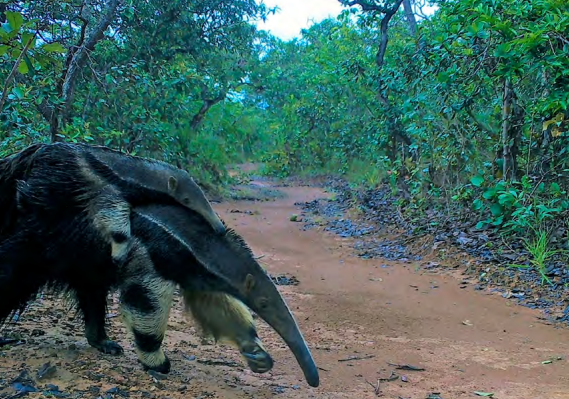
(93, 304)
(145, 305)
(20, 276)
(228, 320)
(14, 296)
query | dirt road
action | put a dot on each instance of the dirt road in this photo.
(376, 311)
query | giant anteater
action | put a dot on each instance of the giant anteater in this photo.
(57, 243)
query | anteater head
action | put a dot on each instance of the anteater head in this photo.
(199, 259)
(186, 191)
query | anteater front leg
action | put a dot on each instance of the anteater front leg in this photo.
(146, 303)
(227, 320)
(92, 303)
(111, 216)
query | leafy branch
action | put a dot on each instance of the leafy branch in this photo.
(14, 70)
(76, 59)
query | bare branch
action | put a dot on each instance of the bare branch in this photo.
(207, 104)
(83, 30)
(379, 58)
(366, 6)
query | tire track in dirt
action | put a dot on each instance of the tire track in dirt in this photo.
(346, 306)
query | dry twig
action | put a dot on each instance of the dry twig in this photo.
(356, 358)
(376, 388)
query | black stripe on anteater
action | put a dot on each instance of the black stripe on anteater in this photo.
(148, 343)
(139, 298)
(119, 237)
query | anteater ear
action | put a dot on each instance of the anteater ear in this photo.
(172, 184)
(249, 283)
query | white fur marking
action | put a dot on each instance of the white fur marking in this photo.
(165, 228)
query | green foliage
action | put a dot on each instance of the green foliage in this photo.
(540, 252)
(166, 79)
(332, 109)
(520, 206)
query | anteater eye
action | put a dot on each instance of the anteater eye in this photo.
(262, 303)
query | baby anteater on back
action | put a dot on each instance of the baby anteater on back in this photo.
(112, 182)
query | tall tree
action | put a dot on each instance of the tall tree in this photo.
(384, 11)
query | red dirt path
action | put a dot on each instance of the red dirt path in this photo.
(466, 340)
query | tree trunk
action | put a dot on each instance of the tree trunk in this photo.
(396, 129)
(546, 137)
(517, 124)
(200, 115)
(412, 23)
(509, 134)
(410, 16)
